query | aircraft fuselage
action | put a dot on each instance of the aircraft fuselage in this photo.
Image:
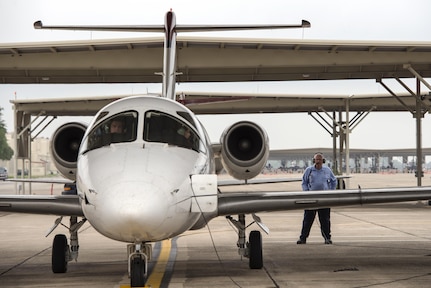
(136, 187)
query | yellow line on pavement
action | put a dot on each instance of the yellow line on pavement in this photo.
(159, 270)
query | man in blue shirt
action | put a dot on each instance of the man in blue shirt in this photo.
(317, 177)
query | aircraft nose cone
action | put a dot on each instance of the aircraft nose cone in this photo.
(135, 211)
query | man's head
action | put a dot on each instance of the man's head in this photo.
(318, 160)
(187, 133)
(116, 126)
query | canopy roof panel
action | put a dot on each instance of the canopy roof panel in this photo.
(201, 59)
(233, 103)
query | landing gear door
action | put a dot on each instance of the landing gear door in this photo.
(205, 193)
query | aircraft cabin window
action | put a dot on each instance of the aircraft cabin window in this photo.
(164, 128)
(116, 129)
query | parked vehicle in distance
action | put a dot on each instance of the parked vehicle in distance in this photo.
(3, 173)
(19, 172)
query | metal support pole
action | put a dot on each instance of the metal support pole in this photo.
(29, 161)
(347, 131)
(418, 97)
(317, 120)
(418, 76)
(341, 133)
(46, 125)
(362, 117)
(334, 147)
(418, 134)
(396, 96)
(336, 163)
(15, 145)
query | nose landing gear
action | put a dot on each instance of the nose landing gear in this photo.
(139, 255)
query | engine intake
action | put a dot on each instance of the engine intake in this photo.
(65, 147)
(244, 150)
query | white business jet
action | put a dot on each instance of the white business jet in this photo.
(145, 172)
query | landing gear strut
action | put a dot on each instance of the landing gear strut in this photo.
(139, 255)
(253, 248)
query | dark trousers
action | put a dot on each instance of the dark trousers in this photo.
(324, 219)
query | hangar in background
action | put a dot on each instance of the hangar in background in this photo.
(361, 160)
(205, 59)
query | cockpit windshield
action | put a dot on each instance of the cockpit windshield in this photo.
(119, 128)
(164, 128)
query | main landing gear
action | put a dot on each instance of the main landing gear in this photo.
(253, 248)
(62, 253)
(139, 255)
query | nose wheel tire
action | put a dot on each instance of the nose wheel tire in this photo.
(137, 271)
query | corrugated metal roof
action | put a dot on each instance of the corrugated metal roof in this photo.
(201, 59)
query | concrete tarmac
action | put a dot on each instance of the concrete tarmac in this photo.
(374, 246)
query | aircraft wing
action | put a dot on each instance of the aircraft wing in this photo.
(61, 205)
(41, 180)
(253, 202)
(234, 182)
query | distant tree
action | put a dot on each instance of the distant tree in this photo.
(6, 152)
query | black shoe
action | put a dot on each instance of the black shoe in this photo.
(301, 241)
(328, 241)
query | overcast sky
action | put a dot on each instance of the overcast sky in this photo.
(330, 20)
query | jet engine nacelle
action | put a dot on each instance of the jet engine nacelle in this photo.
(244, 150)
(65, 146)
